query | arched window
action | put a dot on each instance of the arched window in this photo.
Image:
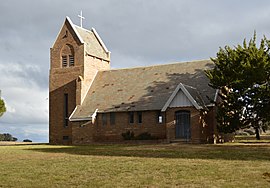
(67, 56)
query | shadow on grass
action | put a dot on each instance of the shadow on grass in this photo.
(224, 152)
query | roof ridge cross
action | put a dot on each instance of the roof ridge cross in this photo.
(81, 17)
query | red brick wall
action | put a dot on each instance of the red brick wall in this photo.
(212, 124)
(92, 65)
(63, 80)
(201, 127)
(56, 113)
(82, 132)
(100, 133)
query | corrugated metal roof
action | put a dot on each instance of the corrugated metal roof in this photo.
(145, 88)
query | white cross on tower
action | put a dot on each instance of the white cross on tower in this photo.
(81, 17)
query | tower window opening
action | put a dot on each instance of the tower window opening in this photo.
(67, 54)
(71, 60)
(64, 61)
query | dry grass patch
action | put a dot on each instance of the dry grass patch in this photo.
(10, 143)
(168, 165)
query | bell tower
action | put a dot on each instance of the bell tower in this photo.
(75, 58)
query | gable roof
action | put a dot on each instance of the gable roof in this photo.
(191, 93)
(145, 88)
(196, 96)
(94, 46)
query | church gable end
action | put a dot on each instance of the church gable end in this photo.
(185, 95)
(68, 31)
(67, 44)
(180, 100)
(71, 72)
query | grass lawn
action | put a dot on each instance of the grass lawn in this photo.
(163, 165)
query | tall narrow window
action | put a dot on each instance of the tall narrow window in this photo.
(159, 117)
(131, 117)
(71, 60)
(104, 119)
(65, 110)
(64, 61)
(112, 118)
(139, 117)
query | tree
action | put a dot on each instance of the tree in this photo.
(242, 75)
(2, 107)
(7, 137)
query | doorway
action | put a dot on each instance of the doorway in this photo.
(182, 125)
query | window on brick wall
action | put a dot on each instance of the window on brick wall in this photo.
(65, 110)
(139, 117)
(67, 54)
(64, 61)
(71, 60)
(104, 119)
(131, 117)
(112, 118)
(159, 117)
(65, 137)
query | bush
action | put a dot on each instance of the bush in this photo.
(250, 132)
(27, 140)
(241, 133)
(145, 136)
(128, 135)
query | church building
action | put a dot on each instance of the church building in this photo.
(90, 102)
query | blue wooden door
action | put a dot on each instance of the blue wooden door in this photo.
(182, 125)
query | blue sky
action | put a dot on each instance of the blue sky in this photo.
(137, 33)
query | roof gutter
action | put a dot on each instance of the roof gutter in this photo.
(80, 119)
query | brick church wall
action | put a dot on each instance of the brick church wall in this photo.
(112, 133)
(56, 121)
(201, 127)
(92, 65)
(82, 132)
(63, 81)
(212, 125)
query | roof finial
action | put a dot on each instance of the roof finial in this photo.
(81, 17)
